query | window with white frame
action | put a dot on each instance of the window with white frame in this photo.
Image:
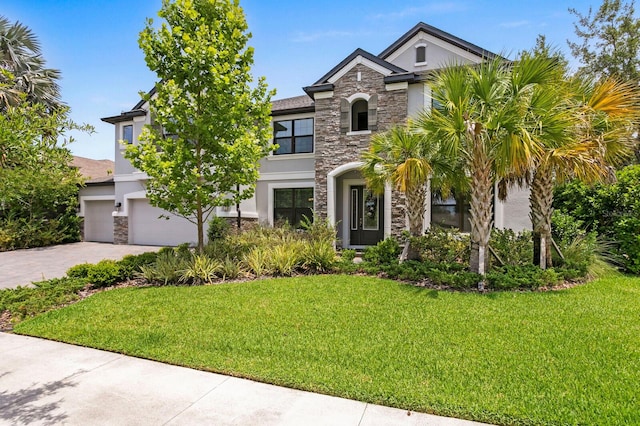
(421, 54)
(359, 115)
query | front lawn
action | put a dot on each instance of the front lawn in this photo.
(564, 357)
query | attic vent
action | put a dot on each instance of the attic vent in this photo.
(421, 54)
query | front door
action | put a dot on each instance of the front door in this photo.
(366, 227)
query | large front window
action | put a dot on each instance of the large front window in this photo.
(293, 136)
(451, 212)
(292, 204)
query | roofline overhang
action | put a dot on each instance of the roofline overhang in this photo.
(400, 78)
(316, 88)
(125, 116)
(288, 111)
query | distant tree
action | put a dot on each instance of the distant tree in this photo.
(23, 69)
(211, 124)
(38, 188)
(609, 43)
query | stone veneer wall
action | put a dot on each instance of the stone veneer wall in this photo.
(334, 149)
(121, 230)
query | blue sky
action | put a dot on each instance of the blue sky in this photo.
(95, 42)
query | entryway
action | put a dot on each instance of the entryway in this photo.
(366, 221)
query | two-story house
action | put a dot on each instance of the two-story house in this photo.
(321, 136)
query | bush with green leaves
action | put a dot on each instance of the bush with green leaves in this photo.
(218, 228)
(130, 264)
(104, 273)
(166, 269)
(513, 248)
(200, 269)
(22, 302)
(443, 246)
(385, 252)
(511, 277)
(612, 210)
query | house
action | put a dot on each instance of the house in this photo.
(321, 135)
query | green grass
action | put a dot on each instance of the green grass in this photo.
(566, 357)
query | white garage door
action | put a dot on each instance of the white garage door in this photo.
(98, 222)
(147, 228)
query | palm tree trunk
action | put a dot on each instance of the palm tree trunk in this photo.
(415, 197)
(481, 203)
(541, 206)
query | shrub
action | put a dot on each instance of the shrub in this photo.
(511, 277)
(318, 229)
(104, 273)
(230, 269)
(512, 248)
(385, 252)
(443, 246)
(79, 271)
(166, 269)
(218, 228)
(319, 255)
(200, 269)
(284, 259)
(347, 255)
(130, 264)
(256, 261)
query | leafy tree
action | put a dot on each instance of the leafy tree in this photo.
(23, 69)
(405, 159)
(210, 126)
(487, 115)
(610, 41)
(38, 188)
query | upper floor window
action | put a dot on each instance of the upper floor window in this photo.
(293, 136)
(127, 133)
(421, 54)
(360, 115)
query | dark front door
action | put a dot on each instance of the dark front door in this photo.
(365, 217)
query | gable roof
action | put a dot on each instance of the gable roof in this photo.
(324, 82)
(293, 105)
(442, 35)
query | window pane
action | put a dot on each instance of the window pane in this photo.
(304, 144)
(282, 128)
(302, 213)
(283, 215)
(303, 127)
(283, 198)
(285, 146)
(304, 197)
(421, 54)
(127, 133)
(370, 211)
(359, 114)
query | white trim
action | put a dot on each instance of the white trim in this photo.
(234, 214)
(279, 157)
(272, 186)
(140, 119)
(396, 86)
(359, 60)
(323, 95)
(131, 177)
(359, 132)
(287, 176)
(84, 198)
(357, 96)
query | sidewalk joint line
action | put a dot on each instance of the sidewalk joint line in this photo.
(199, 399)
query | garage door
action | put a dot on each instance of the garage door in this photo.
(147, 228)
(98, 222)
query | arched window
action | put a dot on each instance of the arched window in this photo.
(359, 115)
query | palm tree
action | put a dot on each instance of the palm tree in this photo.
(600, 129)
(406, 159)
(486, 115)
(23, 71)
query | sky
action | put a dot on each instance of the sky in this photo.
(94, 43)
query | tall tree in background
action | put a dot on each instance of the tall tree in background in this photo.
(210, 126)
(609, 44)
(23, 69)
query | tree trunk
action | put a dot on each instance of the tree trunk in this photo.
(200, 224)
(481, 211)
(415, 197)
(541, 206)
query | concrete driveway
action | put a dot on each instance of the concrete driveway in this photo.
(22, 267)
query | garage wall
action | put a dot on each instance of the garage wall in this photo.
(146, 227)
(98, 221)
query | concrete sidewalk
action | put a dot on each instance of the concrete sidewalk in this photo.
(21, 267)
(44, 383)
